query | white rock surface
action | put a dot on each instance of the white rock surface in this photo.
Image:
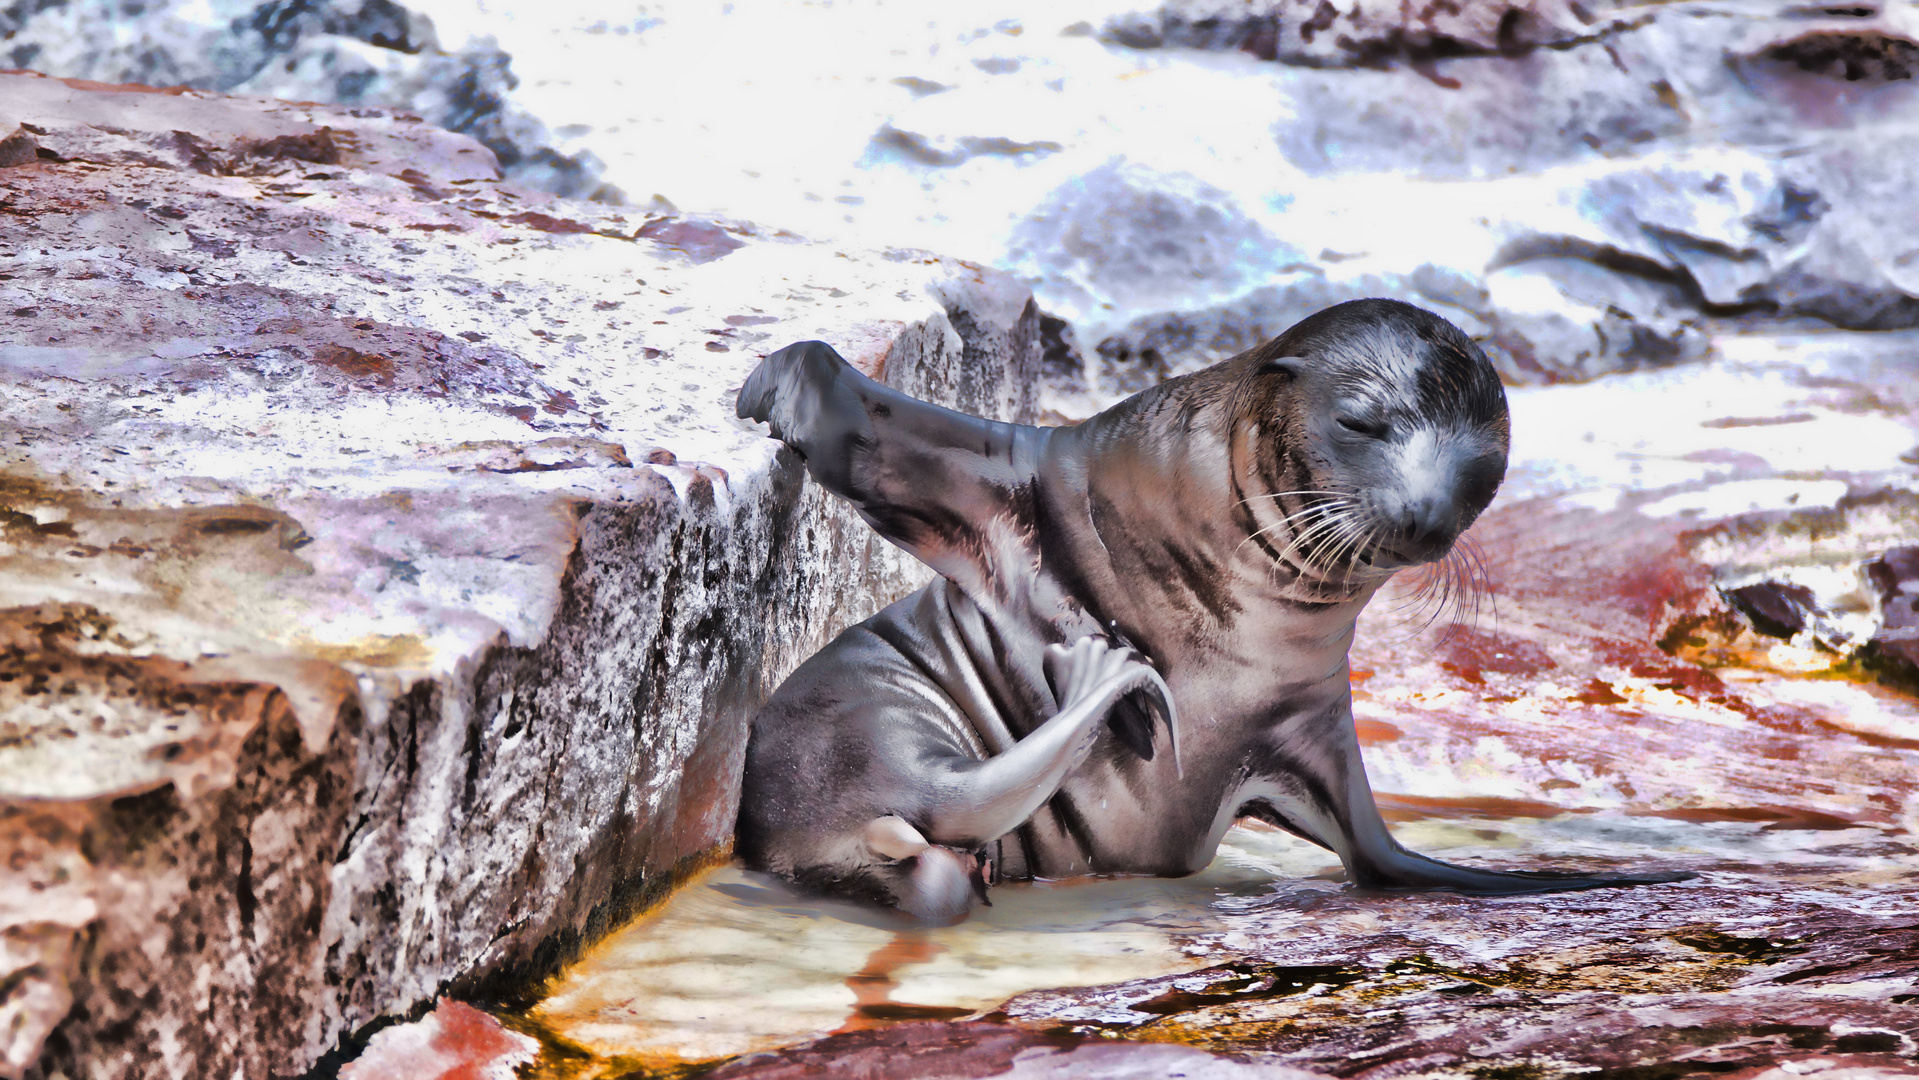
(1563, 162)
(384, 580)
(372, 54)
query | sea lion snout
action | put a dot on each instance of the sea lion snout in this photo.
(1435, 486)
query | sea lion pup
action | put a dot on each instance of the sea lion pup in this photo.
(1222, 529)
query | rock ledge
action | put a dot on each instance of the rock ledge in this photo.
(384, 583)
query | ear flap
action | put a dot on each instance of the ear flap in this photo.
(1289, 366)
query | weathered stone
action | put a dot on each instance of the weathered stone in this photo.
(1124, 236)
(384, 584)
(1895, 577)
(1574, 272)
(1526, 113)
(1639, 173)
(1572, 319)
(18, 148)
(1366, 32)
(366, 53)
(1731, 232)
(1781, 610)
(1154, 346)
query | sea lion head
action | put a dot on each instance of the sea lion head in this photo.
(1388, 437)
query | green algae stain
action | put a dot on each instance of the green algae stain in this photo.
(1253, 982)
(1757, 950)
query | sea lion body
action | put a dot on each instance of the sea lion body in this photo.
(1220, 532)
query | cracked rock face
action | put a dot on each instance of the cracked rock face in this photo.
(372, 54)
(384, 585)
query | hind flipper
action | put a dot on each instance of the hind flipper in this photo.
(929, 871)
(939, 884)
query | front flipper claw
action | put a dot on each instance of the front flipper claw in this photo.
(1093, 675)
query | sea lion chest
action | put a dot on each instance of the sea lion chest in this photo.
(1146, 563)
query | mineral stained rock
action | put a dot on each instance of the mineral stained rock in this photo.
(453, 1042)
(383, 582)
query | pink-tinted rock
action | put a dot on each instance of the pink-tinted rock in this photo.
(453, 1042)
(384, 581)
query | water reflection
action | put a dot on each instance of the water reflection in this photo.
(735, 962)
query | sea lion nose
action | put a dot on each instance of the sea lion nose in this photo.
(1426, 518)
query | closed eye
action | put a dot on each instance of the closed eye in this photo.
(1372, 429)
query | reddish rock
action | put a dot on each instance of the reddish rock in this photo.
(453, 1042)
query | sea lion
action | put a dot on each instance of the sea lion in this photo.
(1190, 561)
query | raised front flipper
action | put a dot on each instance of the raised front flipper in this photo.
(1308, 778)
(941, 484)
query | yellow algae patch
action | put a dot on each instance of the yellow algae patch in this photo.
(733, 963)
(375, 650)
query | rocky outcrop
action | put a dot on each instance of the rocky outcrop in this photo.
(1593, 185)
(1368, 32)
(384, 582)
(370, 54)
(1580, 246)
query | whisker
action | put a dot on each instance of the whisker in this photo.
(1280, 524)
(1283, 494)
(1348, 558)
(1452, 592)
(1337, 558)
(1330, 506)
(1320, 534)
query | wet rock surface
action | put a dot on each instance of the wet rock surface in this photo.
(1589, 697)
(384, 583)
